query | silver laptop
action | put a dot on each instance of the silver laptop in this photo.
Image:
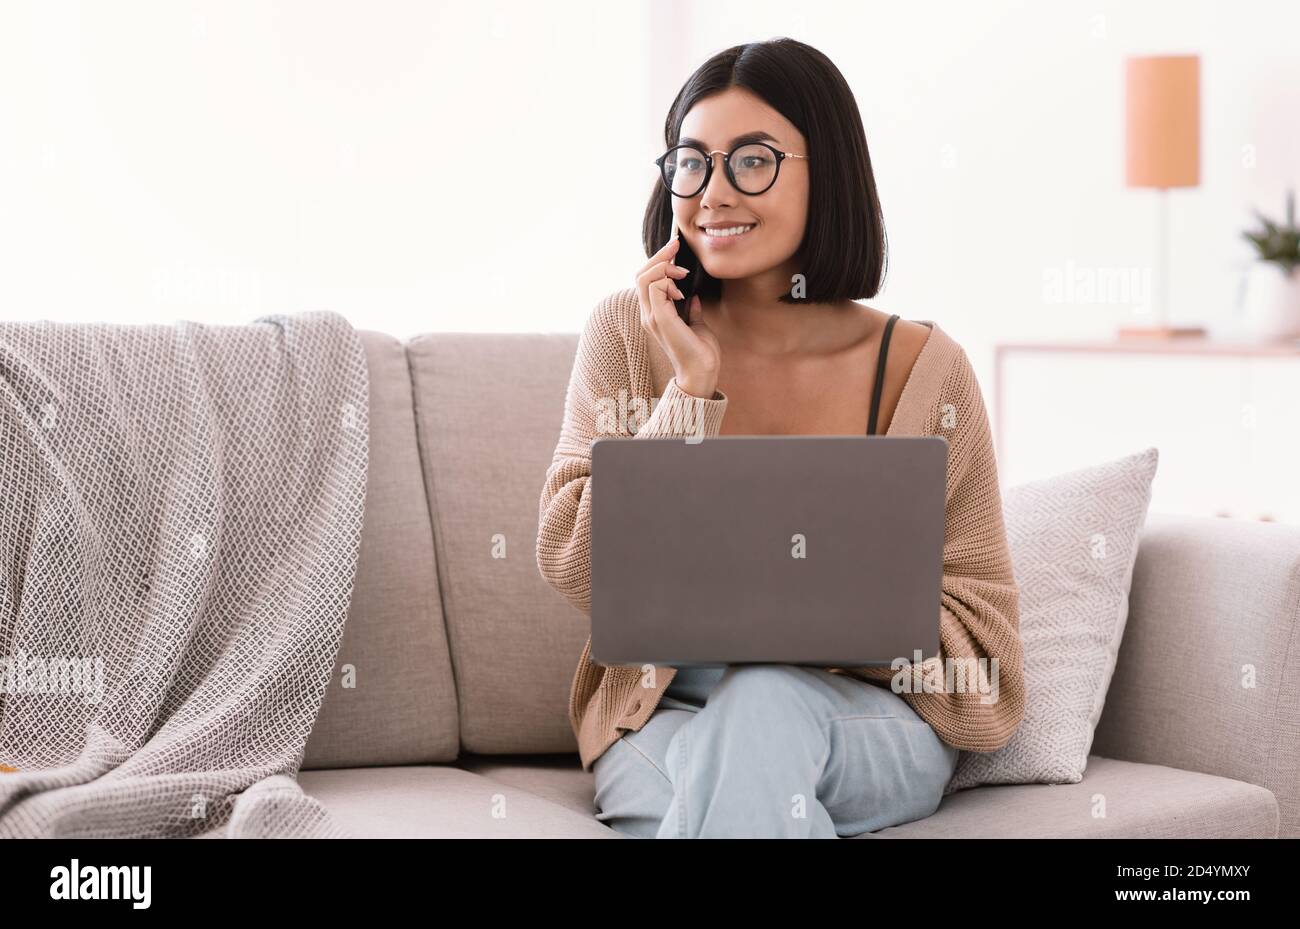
(812, 550)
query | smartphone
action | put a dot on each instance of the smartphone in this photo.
(686, 258)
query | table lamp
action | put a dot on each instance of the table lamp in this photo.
(1162, 147)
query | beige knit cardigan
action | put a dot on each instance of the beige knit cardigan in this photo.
(620, 370)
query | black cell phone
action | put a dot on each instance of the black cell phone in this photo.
(686, 258)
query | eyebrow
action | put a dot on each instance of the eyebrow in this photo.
(759, 136)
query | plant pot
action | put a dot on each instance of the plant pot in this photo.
(1272, 302)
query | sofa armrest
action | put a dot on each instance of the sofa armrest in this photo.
(1208, 675)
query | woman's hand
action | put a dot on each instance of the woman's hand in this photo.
(693, 349)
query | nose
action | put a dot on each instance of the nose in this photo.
(718, 193)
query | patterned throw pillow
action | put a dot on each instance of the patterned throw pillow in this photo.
(1073, 540)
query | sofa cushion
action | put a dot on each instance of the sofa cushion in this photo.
(402, 708)
(442, 802)
(557, 777)
(488, 410)
(1140, 801)
(1074, 538)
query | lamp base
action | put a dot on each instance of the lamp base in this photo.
(1162, 332)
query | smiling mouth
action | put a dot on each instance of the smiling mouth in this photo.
(729, 232)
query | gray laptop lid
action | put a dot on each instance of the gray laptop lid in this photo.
(816, 550)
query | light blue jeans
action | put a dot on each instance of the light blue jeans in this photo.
(772, 750)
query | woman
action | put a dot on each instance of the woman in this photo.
(789, 238)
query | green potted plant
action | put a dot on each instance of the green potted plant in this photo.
(1273, 288)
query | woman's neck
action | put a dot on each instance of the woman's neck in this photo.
(749, 315)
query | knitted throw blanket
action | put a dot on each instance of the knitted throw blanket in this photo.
(180, 519)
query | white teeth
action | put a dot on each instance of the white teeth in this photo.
(732, 230)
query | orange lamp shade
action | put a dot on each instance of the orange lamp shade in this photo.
(1163, 121)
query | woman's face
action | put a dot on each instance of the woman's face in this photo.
(778, 215)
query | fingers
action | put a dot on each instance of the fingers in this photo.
(662, 268)
(671, 287)
(664, 254)
(663, 313)
(669, 249)
(656, 285)
(659, 295)
(660, 271)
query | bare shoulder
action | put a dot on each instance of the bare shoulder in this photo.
(906, 340)
(910, 337)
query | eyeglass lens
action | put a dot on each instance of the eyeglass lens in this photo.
(753, 166)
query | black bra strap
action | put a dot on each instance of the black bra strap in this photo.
(880, 375)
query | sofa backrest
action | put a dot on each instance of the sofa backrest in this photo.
(488, 411)
(392, 698)
(454, 642)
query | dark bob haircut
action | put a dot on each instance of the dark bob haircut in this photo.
(843, 250)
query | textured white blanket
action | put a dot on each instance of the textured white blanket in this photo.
(180, 519)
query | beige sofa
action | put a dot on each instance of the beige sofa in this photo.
(458, 721)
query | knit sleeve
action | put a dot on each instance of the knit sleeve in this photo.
(601, 401)
(979, 612)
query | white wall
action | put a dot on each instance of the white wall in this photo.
(996, 131)
(215, 161)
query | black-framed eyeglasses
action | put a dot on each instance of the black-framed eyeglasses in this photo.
(752, 168)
